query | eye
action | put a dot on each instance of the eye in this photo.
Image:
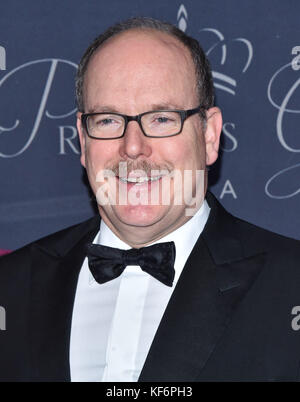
(104, 122)
(162, 119)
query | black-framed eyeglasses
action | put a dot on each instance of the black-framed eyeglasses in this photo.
(154, 124)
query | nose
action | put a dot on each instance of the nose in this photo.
(134, 143)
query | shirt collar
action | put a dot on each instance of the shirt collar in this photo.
(184, 237)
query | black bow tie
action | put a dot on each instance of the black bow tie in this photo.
(107, 263)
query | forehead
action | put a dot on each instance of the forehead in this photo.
(140, 67)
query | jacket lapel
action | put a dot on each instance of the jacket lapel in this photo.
(216, 277)
(56, 264)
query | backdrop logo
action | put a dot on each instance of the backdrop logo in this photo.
(2, 58)
(228, 83)
(224, 82)
(42, 110)
(287, 177)
(182, 17)
(221, 81)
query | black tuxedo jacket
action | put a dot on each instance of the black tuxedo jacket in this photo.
(229, 318)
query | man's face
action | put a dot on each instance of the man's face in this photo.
(137, 72)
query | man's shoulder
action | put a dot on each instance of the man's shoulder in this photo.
(252, 238)
(267, 262)
(281, 254)
(252, 233)
(232, 240)
(56, 242)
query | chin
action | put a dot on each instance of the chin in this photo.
(140, 215)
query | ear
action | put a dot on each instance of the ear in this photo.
(212, 134)
(82, 138)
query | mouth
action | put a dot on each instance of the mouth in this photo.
(139, 180)
(142, 190)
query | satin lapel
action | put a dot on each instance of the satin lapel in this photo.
(202, 304)
(55, 273)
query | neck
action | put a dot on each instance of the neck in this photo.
(141, 236)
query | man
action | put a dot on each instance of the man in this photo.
(147, 126)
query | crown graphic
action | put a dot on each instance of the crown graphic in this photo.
(182, 17)
(222, 81)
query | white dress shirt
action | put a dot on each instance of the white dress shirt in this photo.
(114, 323)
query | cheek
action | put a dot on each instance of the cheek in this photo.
(197, 150)
(200, 155)
(99, 156)
(184, 154)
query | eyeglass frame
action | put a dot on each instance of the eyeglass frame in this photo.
(184, 114)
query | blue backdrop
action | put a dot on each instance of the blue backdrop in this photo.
(254, 48)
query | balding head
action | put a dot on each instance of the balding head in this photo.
(141, 67)
(201, 64)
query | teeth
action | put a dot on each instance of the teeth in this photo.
(138, 180)
(155, 178)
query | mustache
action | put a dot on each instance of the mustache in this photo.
(146, 166)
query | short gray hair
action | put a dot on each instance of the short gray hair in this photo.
(202, 66)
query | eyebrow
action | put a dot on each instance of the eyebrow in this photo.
(165, 105)
(154, 107)
(100, 109)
